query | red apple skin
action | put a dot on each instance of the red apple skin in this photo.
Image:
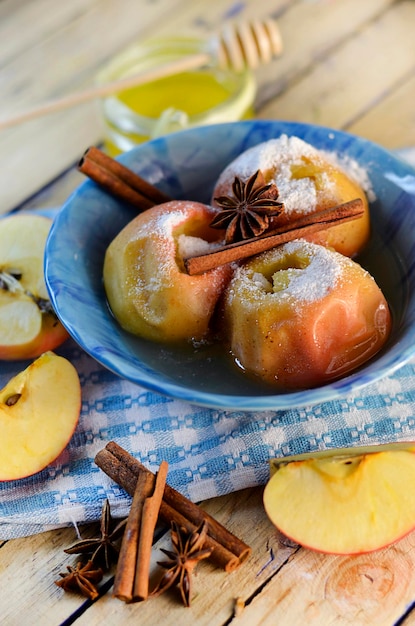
(294, 343)
(51, 336)
(352, 552)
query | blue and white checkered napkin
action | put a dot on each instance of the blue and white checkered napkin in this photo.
(210, 452)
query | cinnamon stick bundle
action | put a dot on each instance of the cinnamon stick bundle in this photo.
(119, 180)
(296, 229)
(228, 551)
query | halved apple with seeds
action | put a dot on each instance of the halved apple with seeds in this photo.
(351, 503)
(28, 324)
(39, 410)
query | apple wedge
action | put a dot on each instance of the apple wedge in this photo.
(39, 410)
(28, 324)
(345, 504)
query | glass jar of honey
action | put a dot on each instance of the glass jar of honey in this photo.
(206, 95)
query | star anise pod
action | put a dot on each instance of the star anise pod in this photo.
(103, 549)
(82, 578)
(246, 214)
(187, 552)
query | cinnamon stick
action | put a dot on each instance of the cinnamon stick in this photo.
(150, 515)
(119, 180)
(228, 551)
(296, 229)
(127, 560)
(132, 575)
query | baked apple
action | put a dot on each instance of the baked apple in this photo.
(308, 180)
(28, 325)
(302, 314)
(147, 287)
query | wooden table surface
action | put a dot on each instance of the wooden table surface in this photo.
(348, 64)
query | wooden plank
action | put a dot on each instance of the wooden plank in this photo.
(32, 154)
(312, 31)
(215, 592)
(391, 122)
(34, 598)
(35, 20)
(29, 153)
(81, 45)
(40, 158)
(28, 568)
(409, 620)
(279, 584)
(342, 87)
(69, 57)
(316, 589)
(56, 193)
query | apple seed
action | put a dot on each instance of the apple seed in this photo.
(9, 281)
(13, 399)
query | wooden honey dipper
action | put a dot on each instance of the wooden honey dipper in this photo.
(237, 46)
(247, 44)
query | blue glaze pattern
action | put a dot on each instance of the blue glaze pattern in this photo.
(186, 165)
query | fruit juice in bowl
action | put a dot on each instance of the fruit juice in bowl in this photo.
(187, 164)
(187, 99)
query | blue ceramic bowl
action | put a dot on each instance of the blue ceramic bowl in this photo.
(186, 165)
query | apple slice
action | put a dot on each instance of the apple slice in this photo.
(39, 410)
(345, 504)
(28, 325)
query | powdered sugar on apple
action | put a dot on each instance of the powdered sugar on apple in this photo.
(187, 245)
(277, 156)
(320, 274)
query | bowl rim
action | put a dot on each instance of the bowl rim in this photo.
(376, 369)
